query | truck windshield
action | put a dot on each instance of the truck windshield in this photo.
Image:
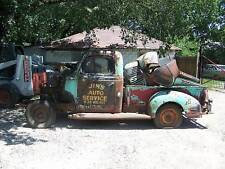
(97, 64)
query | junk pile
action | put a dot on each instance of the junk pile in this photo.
(146, 70)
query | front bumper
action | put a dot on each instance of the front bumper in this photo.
(193, 114)
(198, 111)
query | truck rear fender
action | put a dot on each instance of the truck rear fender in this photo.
(190, 106)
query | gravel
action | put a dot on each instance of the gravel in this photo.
(126, 144)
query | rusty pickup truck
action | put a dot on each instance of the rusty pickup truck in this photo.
(101, 83)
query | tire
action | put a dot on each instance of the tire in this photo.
(168, 116)
(40, 114)
(8, 96)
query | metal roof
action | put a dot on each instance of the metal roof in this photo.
(113, 37)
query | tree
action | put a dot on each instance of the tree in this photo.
(189, 46)
(7, 9)
(40, 21)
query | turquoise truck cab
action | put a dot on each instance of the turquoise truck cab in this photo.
(97, 85)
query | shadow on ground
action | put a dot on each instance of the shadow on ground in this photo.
(10, 120)
(137, 124)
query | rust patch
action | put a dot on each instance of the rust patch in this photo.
(100, 94)
(137, 98)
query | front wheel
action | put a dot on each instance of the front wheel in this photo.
(40, 114)
(168, 116)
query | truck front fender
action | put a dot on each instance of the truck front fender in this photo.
(189, 105)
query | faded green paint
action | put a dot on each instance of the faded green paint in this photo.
(195, 89)
(186, 101)
(185, 82)
(141, 87)
(71, 86)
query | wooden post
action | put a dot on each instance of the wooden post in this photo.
(199, 64)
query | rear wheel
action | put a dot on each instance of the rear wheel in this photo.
(8, 96)
(40, 114)
(168, 116)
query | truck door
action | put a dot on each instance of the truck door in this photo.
(99, 87)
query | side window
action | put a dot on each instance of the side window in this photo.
(99, 65)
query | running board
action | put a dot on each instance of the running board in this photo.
(108, 116)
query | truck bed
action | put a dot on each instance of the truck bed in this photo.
(136, 97)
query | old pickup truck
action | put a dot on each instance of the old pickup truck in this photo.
(101, 83)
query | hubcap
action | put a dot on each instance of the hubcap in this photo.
(169, 117)
(40, 115)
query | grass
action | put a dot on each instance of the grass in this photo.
(213, 84)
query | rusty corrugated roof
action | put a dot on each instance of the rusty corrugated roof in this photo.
(112, 37)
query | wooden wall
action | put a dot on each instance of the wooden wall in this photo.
(187, 64)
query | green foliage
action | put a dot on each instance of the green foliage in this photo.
(40, 21)
(7, 9)
(213, 84)
(189, 47)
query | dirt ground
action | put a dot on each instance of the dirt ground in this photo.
(134, 144)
